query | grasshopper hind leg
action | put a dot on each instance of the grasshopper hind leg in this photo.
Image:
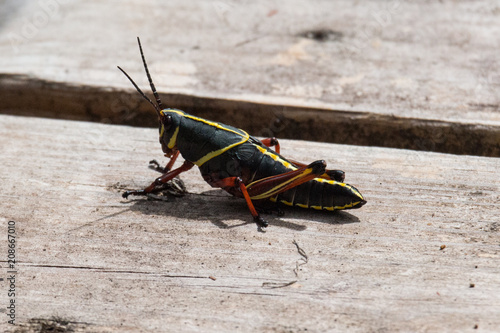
(337, 175)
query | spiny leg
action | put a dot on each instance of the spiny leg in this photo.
(271, 186)
(174, 187)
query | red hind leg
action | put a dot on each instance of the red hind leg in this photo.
(271, 186)
(337, 175)
(237, 182)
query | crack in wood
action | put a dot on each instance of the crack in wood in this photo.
(21, 95)
(102, 270)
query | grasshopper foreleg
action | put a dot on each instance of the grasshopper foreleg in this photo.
(153, 164)
(157, 185)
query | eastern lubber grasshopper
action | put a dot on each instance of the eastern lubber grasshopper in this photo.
(242, 165)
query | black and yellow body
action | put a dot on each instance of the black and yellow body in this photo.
(244, 166)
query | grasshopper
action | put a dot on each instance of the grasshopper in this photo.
(242, 165)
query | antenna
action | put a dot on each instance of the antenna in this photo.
(153, 88)
(159, 106)
(140, 92)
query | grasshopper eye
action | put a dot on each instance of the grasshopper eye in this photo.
(167, 122)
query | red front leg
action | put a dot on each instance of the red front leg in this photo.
(156, 166)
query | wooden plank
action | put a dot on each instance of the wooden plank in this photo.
(434, 60)
(104, 263)
(428, 60)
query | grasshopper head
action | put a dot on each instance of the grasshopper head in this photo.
(169, 123)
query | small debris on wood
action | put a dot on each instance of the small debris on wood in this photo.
(212, 278)
(323, 35)
(442, 247)
(476, 193)
(300, 262)
(272, 12)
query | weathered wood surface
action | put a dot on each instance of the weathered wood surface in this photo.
(426, 59)
(370, 64)
(112, 265)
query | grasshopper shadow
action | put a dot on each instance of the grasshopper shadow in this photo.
(222, 209)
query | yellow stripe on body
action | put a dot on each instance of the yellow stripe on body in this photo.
(173, 139)
(211, 154)
(275, 157)
(331, 209)
(333, 182)
(208, 122)
(215, 153)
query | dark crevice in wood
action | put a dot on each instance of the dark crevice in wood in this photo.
(21, 95)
